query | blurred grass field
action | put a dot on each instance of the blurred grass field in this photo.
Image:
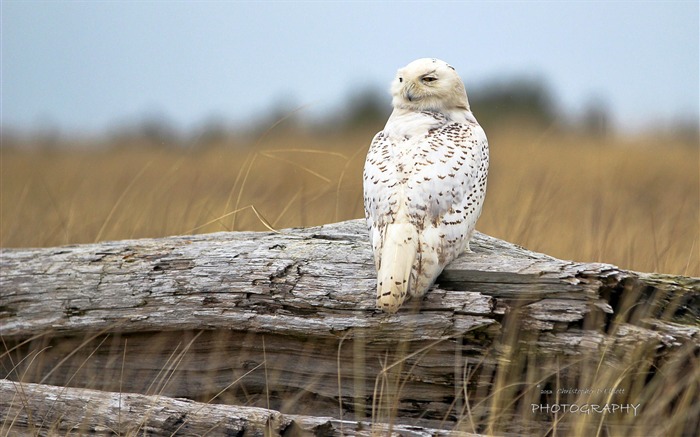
(630, 201)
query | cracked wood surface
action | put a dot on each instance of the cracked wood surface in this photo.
(287, 320)
(83, 411)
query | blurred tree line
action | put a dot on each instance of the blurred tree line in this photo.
(523, 103)
(528, 103)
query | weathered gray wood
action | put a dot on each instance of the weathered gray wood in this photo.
(31, 409)
(288, 321)
(301, 281)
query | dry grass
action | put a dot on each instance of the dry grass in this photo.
(630, 202)
(626, 201)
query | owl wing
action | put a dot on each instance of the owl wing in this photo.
(447, 184)
(436, 182)
(445, 193)
(380, 182)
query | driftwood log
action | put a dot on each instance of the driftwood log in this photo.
(276, 334)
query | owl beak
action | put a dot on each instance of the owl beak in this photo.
(410, 96)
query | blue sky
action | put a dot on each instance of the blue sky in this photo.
(88, 66)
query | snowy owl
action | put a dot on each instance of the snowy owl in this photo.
(424, 181)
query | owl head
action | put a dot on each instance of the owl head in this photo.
(428, 84)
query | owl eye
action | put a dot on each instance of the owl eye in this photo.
(429, 79)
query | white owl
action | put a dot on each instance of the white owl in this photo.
(424, 181)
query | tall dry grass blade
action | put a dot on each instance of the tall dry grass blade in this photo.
(420, 351)
(287, 206)
(282, 120)
(18, 411)
(267, 389)
(378, 392)
(121, 378)
(359, 357)
(340, 180)
(19, 387)
(31, 357)
(240, 190)
(67, 383)
(8, 351)
(170, 368)
(62, 221)
(252, 160)
(76, 350)
(297, 165)
(178, 361)
(120, 199)
(18, 207)
(312, 151)
(268, 430)
(467, 402)
(340, 382)
(223, 390)
(601, 421)
(260, 217)
(160, 376)
(690, 256)
(654, 241)
(467, 375)
(239, 175)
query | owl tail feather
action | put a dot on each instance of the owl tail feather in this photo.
(397, 257)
